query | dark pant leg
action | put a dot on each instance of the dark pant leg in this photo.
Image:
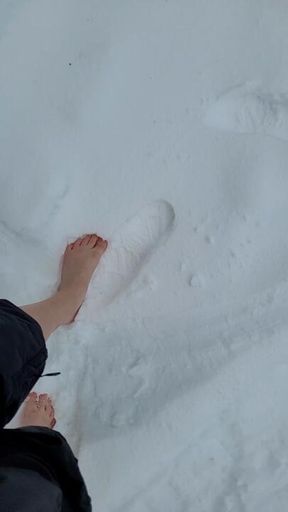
(45, 452)
(23, 355)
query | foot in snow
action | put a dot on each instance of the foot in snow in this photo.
(79, 263)
(38, 411)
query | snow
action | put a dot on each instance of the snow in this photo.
(248, 109)
(161, 125)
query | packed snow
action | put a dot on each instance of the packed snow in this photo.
(161, 125)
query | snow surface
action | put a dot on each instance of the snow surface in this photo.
(163, 126)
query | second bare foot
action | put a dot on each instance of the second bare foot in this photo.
(38, 411)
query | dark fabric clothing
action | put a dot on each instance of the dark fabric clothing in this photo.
(38, 470)
(23, 489)
(23, 355)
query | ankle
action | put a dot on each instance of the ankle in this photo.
(66, 293)
(67, 303)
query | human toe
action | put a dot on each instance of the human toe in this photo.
(79, 241)
(84, 240)
(31, 398)
(43, 400)
(101, 244)
(92, 239)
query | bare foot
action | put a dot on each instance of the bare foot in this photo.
(79, 263)
(38, 411)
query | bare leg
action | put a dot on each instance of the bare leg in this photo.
(79, 263)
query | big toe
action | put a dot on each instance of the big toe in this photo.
(101, 245)
(32, 397)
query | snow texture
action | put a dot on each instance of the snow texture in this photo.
(248, 109)
(163, 127)
(132, 244)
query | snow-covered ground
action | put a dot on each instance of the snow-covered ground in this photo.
(163, 126)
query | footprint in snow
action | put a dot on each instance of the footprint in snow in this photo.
(129, 249)
(249, 109)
